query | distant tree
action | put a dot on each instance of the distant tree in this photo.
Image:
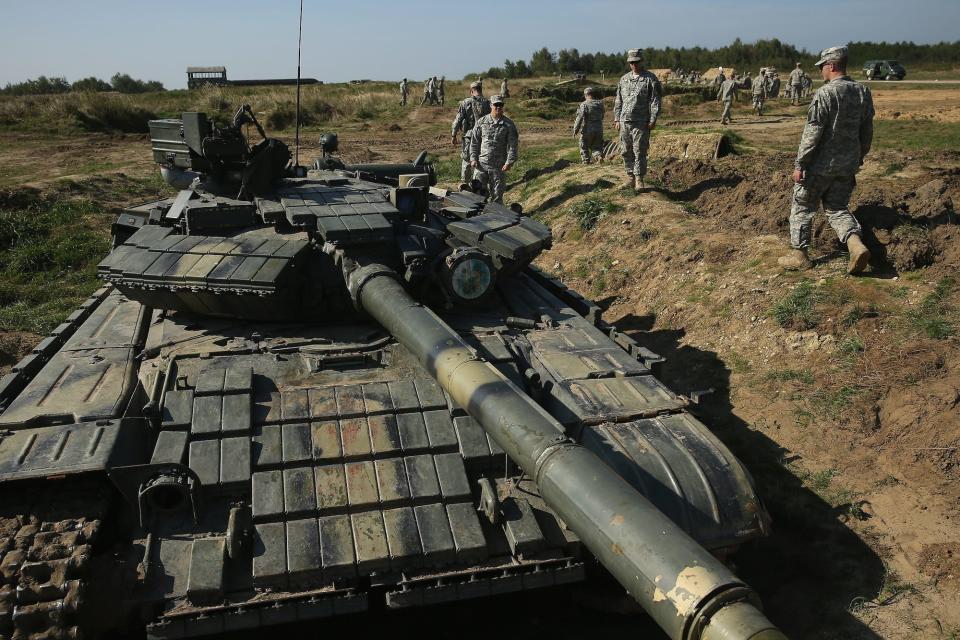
(91, 84)
(542, 63)
(40, 86)
(123, 83)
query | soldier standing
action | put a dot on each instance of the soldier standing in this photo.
(504, 89)
(588, 126)
(747, 81)
(805, 87)
(835, 140)
(759, 93)
(403, 92)
(440, 90)
(635, 112)
(427, 92)
(796, 84)
(433, 90)
(468, 112)
(493, 148)
(728, 94)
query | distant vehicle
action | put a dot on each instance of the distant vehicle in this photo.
(883, 70)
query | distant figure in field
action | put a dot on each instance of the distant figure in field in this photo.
(796, 84)
(588, 126)
(835, 140)
(404, 92)
(759, 93)
(728, 95)
(440, 90)
(504, 89)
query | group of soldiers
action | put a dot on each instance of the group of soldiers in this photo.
(766, 85)
(434, 91)
(836, 138)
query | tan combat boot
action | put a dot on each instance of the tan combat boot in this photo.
(628, 182)
(859, 254)
(796, 260)
(639, 185)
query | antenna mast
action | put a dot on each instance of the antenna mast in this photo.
(296, 160)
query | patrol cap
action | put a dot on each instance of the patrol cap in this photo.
(635, 55)
(497, 99)
(476, 84)
(833, 54)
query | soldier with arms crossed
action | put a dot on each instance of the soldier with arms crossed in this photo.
(493, 148)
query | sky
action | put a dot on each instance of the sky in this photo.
(387, 40)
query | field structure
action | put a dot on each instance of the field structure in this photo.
(840, 394)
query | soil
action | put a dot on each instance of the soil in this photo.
(14, 345)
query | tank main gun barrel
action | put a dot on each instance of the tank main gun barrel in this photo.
(688, 592)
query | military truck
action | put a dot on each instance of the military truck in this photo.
(883, 70)
(305, 394)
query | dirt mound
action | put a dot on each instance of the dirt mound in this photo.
(14, 345)
(941, 562)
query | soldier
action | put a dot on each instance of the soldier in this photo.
(588, 126)
(427, 92)
(835, 140)
(440, 89)
(493, 148)
(728, 94)
(747, 81)
(759, 93)
(468, 112)
(403, 92)
(773, 90)
(504, 89)
(433, 90)
(805, 87)
(635, 112)
(796, 84)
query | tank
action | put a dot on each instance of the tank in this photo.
(313, 393)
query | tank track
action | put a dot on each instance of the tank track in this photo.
(46, 545)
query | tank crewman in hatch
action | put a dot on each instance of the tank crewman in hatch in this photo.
(468, 112)
(835, 140)
(588, 126)
(404, 92)
(635, 112)
(493, 148)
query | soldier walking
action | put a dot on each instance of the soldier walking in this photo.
(635, 112)
(404, 91)
(493, 148)
(588, 126)
(468, 112)
(759, 93)
(835, 140)
(440, 90)
(504, 89)
(796, 84)
(728, 94)
(427, 91)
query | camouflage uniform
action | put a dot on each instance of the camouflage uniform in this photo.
(759, 94)
(728, 94)
(796, 84)
(836, 138)
(468, 112)
(589, 124)
(504, 89)
(492, 145)
(403, 93)
(440, 90)
(636, 109)
(427, 91)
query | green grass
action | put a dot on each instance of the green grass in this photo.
(916, 135)
(790, 375)
(934, 316)
(851, 345)
(796, 310)
(831, 403)
(49, 249)
(589, 211)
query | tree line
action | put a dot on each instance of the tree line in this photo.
(120, 82)
(737, 54)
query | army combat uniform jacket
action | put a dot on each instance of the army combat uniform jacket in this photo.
(494, 142)
(589, 117)
(638, 99)
(839, 129)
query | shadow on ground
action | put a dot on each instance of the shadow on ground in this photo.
(813, 567)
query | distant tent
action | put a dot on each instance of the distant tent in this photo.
(662, 74)
(713, 72)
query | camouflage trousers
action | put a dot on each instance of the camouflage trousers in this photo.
(466, 171)
(834, 192)
(494, 180)
(403, 99)
(795, 91)
(636, 143)
(758, 103)
(727, 106)
(591, 143)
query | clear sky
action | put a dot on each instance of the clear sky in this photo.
(382, 39)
